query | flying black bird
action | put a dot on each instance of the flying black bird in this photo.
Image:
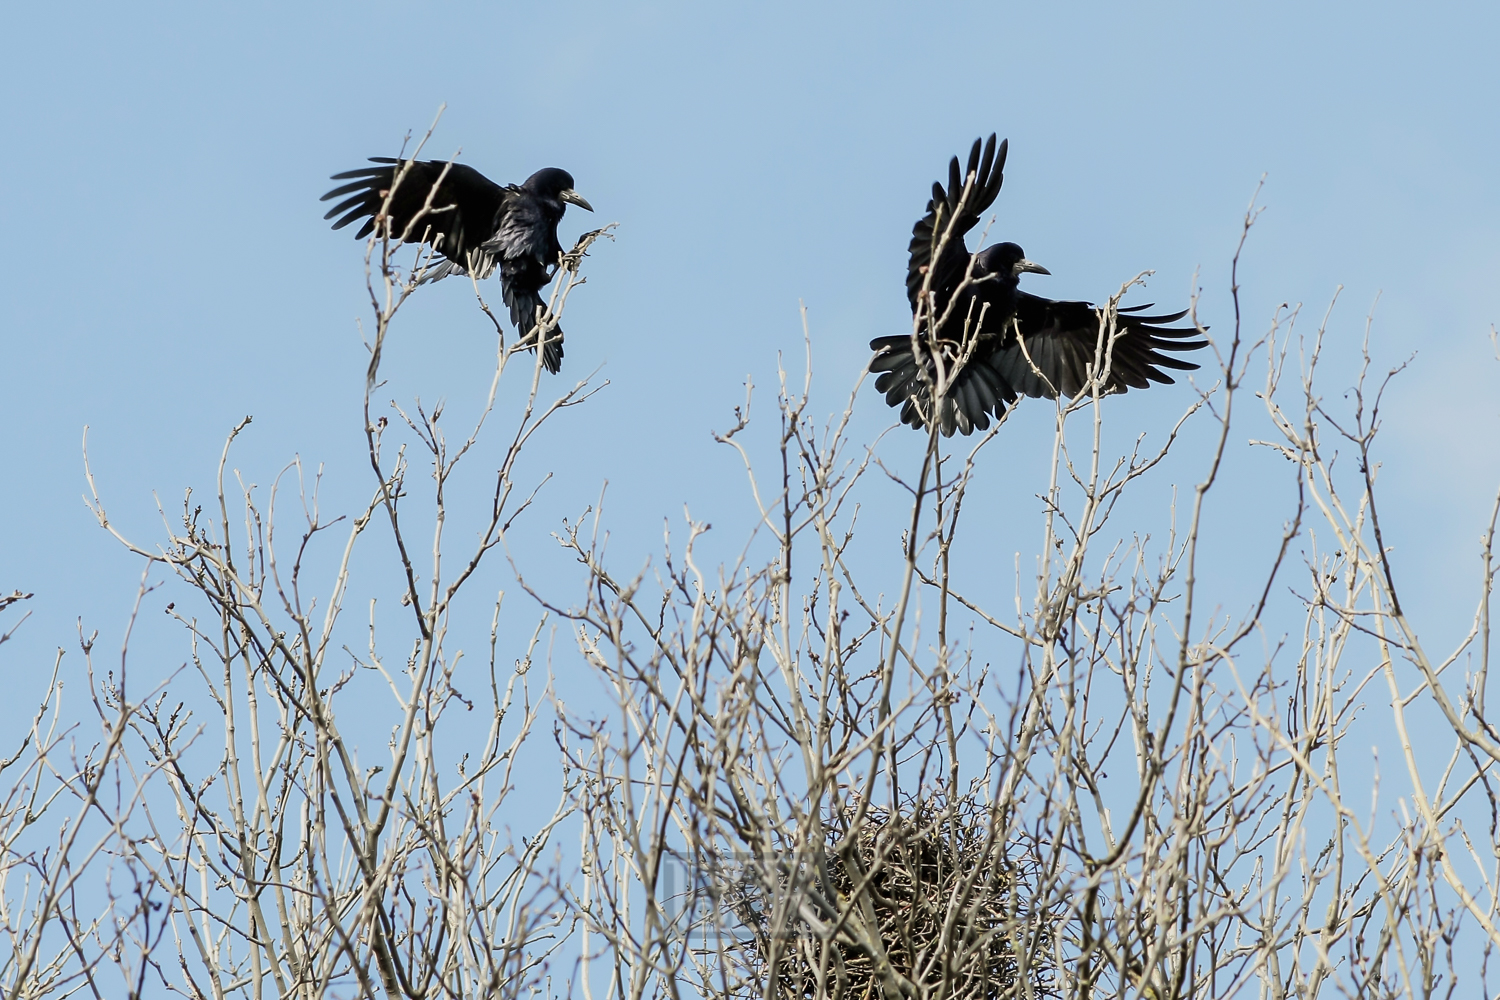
(476, 224)
(992, 341)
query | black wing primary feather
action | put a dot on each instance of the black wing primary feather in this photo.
(978, 391)
(987, 166)
(1062, 340)
(462, 213)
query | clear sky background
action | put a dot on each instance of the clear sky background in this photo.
(167, 270)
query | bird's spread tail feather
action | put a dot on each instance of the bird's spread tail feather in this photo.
(976, 392)
(525, 307)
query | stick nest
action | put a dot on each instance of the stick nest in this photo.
(955, 916)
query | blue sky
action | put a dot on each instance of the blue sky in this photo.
(168, 271)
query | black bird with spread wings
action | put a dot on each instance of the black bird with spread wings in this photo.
(474, 223)
(989, 341)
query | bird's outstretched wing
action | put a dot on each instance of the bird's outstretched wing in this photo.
(978, 390)
(988, 170)
(1061, 343)
(463, 208)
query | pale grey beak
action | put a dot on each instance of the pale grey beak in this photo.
(574, 198)
(1023, 265)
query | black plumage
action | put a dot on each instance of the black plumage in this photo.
(991, 342)
(474, 223)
